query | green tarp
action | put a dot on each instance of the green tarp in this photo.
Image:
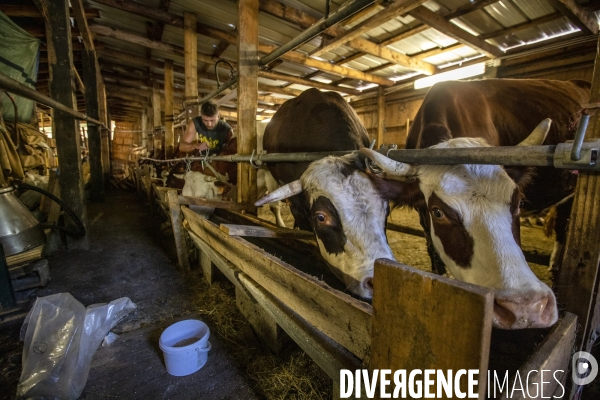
(19, 52)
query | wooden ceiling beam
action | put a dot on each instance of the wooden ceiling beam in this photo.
(177, 21)
(28, 11)
(524, 25)
(469, 8)
(140, 40)
(399, 7)
(299, 58)
(585, 20)
(393, 56)
(79, 13)
(439, 23)
(284, 12)
(294, 79)
(404, 35)
(437, 50)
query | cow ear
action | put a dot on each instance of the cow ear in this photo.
(401, 193)
(521, 175)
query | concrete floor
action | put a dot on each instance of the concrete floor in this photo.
(129, 256)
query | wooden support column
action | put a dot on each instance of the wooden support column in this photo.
(190, 44)
(247, 95)
(169, 83)
(64, 126)
(104, 132)
(578, 276)
(144, 127)
(156, 118)
(380, 117)
(90, 74)
(155, 106)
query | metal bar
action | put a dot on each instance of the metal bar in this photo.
(535, 156)
(557, 156)
(305, 36)
(16, 87)
(579, 136)
(215, 92)
(316, 29)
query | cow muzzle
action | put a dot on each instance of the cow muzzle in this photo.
(526, 312)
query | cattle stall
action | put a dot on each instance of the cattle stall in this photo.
(280, 289)
(341, 332)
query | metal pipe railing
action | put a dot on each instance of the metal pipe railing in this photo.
(308, 34)
(16, 87)
(534, 156)
(318, 27)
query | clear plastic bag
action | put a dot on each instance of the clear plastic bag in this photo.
(61, 337)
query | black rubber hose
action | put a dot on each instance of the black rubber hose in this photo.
(79, 233)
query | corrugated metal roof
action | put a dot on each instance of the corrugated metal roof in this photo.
(494, 21)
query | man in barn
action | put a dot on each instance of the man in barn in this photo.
(213, 133)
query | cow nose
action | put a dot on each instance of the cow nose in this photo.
(367, 286)
(524, 313)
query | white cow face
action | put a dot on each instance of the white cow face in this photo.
(348, 217)
(473, 215)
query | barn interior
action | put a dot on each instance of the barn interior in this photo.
(92, 89)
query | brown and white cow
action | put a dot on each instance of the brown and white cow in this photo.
(339, 203)
(470, 212)
(529, 303)
(218, 180)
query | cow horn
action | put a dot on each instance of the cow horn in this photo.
(538, 135)
(391, 167)
(281, 193)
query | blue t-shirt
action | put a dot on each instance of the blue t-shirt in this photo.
(215, 138)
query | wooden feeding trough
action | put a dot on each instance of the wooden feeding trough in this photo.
(417, 320)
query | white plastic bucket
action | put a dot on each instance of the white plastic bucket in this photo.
(183, 358)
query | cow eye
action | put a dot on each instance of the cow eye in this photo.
(521, 203)
(437, 213)
(321, 217)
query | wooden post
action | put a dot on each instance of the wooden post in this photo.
(155, 106)
(90, 74)
(105, 132)
(156, 144)
(438, 307)
(68, 143)
(190, 44)
(169, 138)
(247, 95)
(380, 117)
(144, 126)
(578, 276)
(178, 231)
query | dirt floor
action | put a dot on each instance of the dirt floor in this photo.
(132, 254)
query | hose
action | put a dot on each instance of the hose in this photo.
(79, 233)
(231, 72)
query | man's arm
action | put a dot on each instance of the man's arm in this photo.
(187, 144)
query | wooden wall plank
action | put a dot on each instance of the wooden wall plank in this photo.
(338, 315)
(426, 321)
(178, 232)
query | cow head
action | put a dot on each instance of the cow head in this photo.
(347, 215)
(473, 218)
